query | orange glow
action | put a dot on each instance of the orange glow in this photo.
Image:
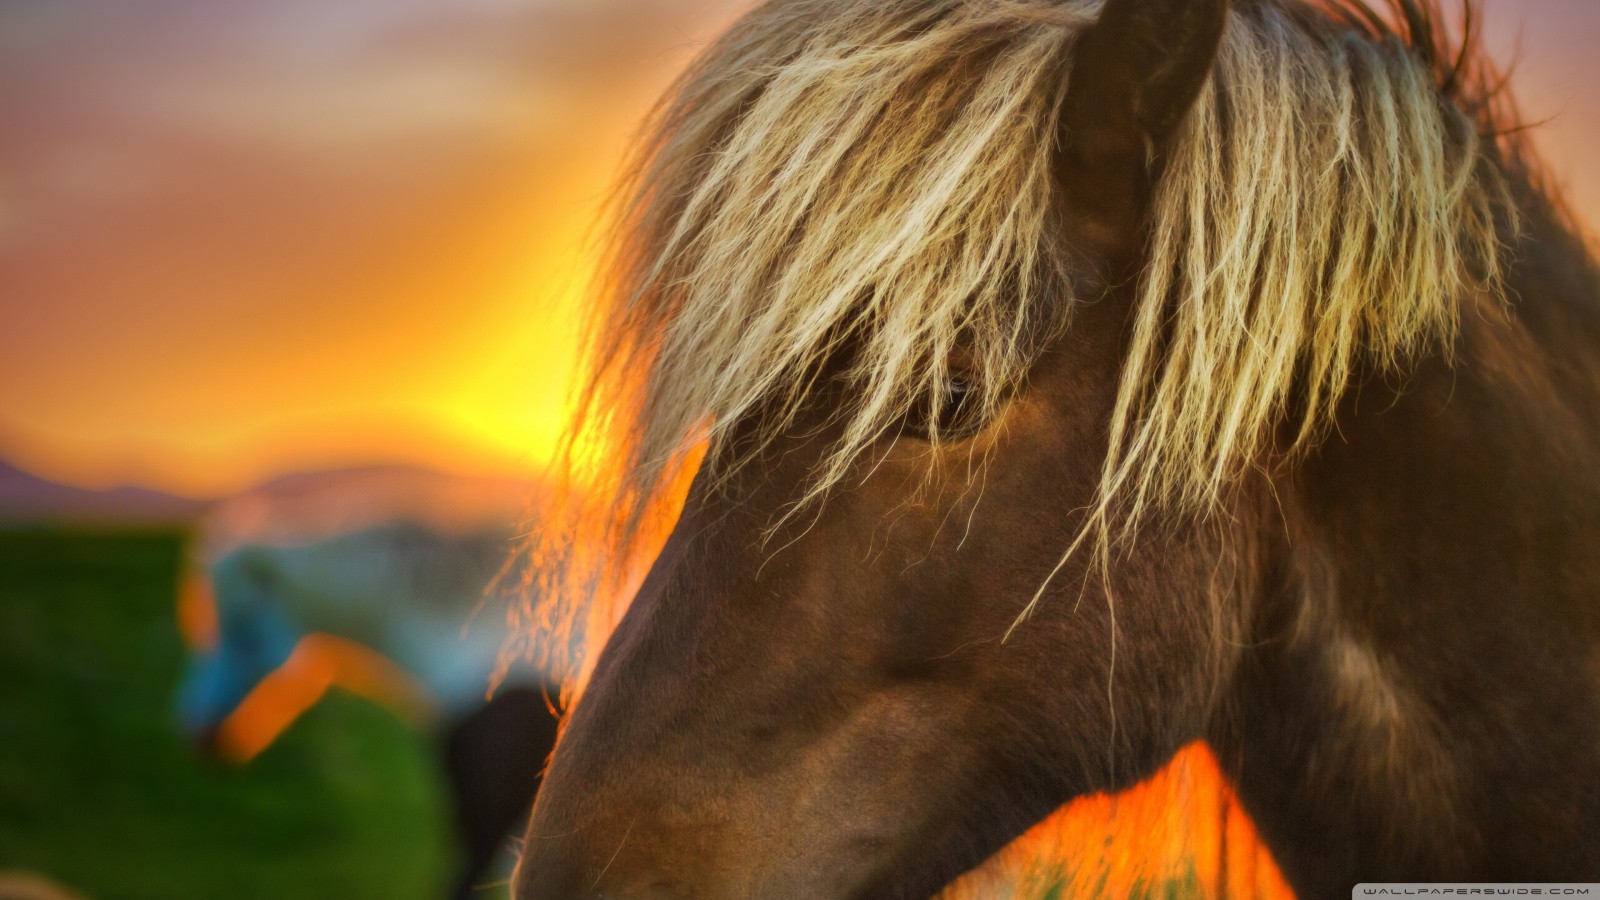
(197, 612)
(319, 661)
(349, 271)
(1182, 823)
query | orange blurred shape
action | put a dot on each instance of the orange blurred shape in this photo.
(197, 612)
(1180, 829)
(319, 661)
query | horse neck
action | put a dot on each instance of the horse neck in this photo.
(1423, 694)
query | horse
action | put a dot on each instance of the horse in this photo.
(1074, 381)
(385, 612)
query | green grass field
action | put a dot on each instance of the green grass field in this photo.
(99, 793)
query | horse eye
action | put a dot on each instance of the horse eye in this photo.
(952, 412)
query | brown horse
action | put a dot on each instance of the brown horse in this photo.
(1081, 380)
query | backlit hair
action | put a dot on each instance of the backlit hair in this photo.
(869, 183)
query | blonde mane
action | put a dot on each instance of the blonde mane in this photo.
(867, 185)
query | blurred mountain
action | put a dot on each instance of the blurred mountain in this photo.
(314, 506)
(294, 508)
(393, 492)
(29, 498)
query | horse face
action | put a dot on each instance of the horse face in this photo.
(841, 707)
(847, 715)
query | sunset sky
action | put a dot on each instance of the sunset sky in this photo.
(241, 238)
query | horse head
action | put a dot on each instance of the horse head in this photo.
(1002, 322)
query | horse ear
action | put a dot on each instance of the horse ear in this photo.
(1135, 74)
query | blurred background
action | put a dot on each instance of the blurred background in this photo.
(287, 299)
